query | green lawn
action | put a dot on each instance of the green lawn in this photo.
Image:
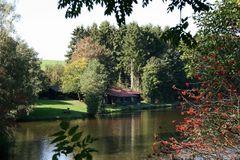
(56, 109)
(51, 62)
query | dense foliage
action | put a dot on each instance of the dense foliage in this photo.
(19, 78)
(7, 16)
(72, 75)
(94, 83)
(124, 52)
(54, 74)
(211, 105)
(123, 8)
(151, 80)
(88, 49)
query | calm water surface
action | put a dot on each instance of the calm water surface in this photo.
(121, 137)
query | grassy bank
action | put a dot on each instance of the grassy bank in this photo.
(56, 109)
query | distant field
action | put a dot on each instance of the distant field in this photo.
(51, 62)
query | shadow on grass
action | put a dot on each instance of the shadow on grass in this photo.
(51, 114)
(52, 102)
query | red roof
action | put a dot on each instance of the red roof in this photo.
(120, 92)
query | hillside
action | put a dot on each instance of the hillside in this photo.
(51, 62)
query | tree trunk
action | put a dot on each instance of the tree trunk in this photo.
(120, 77)
(79, 97)
(132, 74)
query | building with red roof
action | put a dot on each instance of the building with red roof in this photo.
(122, 96)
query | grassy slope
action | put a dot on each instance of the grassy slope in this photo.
(54, 109)
(51, 62)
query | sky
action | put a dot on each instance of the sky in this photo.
(45, 28)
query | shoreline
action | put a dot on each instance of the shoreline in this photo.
(108, 110)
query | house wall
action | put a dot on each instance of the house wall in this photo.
(122, 100)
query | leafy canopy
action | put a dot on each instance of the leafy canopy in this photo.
(94, 83)
(123, 8)
(19, 76)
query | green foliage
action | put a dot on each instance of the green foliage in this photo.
(127, 51)
(72, 75)
(7, 16)
(178, 34)
(71, 141)
(224, 19)
(218, 35)
(160, 74)
(94, 83)
(151, 80)
(124, 8)
(54, 74)
(19, 76)
(139, 44)
(107, 37)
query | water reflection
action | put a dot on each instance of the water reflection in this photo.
(127, 136)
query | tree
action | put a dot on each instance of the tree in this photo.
(160, 74)
(7, 16)
(134, 55)
(140, 43)
(107, 36)
(150, 79)
(54, 74)
(94, 83)
(87, 48)
(78, 34)
(211, 105)
(218, 31)
(19, 78)
(72, 75)
(124, 8)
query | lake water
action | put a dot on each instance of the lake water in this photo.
(121, 137)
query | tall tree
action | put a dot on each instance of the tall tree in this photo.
(134, 57)
(219, 29)
(19, 78)
(78, 34)
(211, 106)
(87, 48)
(151, 81)
(122, 8)
(94, 83)
(140, 43)
(54, 74)
(72, 75)
(7, 16)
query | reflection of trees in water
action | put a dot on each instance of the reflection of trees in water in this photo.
(32, 141)
(6, 138)
(120, 136)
